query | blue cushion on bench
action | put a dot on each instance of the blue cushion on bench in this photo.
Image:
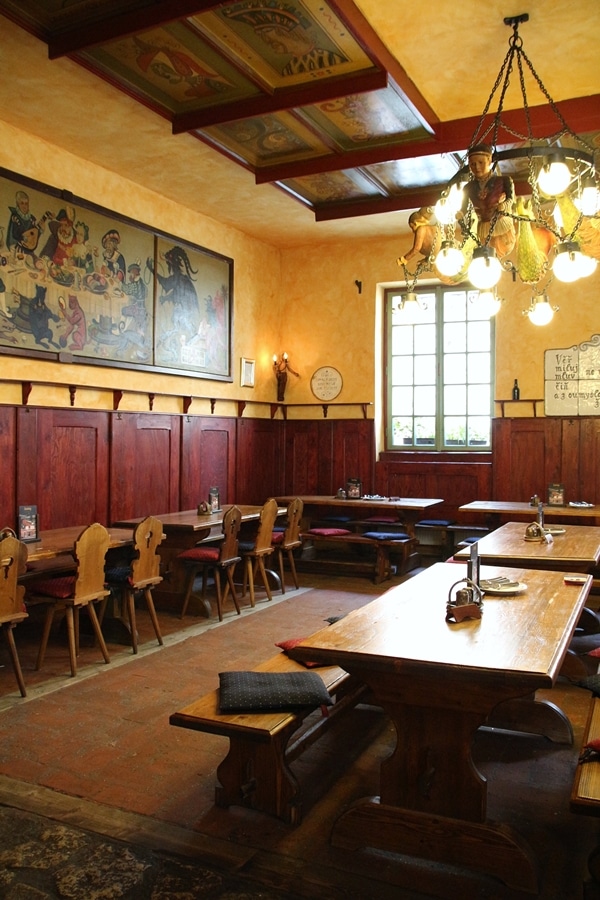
(441, 523)
(259, 691)
(386, 535)
(385, 519)
(337, 518)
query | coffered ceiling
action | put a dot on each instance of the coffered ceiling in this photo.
(347, 111)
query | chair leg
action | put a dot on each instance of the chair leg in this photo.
(217, 577)
(71, 615)
(130, 601)
(231, 585)
(264, 576)
(292, 562)
(45, 635)
(249, 573)
(281, 572)
(188, 590)
(98, 631)
(10, 639)
(153, 616)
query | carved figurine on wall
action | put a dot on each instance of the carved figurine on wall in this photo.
(491, 196)
(281, 368)
(427, 237)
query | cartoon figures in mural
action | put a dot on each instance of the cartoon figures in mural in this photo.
(76, 328)
(65, 290)
(177, 289)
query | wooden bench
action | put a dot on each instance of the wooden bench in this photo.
(255, 773)
(381, 565)
(585, 793)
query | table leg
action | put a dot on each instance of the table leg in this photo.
(494, 849)
(432, 801)
(532, 716)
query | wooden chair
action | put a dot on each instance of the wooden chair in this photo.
(289, 540)
(255, 552)
(141, 575)
(13, 562)
(222, 558)
(72, 592)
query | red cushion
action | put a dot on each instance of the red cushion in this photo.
(595, 652)
(277, 537)
(61, 588)
(290, 644)
(200, 554)
(329, 532)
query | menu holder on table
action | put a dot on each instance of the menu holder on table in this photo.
(27, 524)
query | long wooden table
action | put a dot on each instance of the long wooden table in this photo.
(577, 550)
(412, 508)
(185, 529)
(495, 510)
(440, 682)
(57, 542)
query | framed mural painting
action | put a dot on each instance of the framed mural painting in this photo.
(79, 283)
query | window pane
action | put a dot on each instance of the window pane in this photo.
(424, 401)
(402, 339)
(455, 337)
(478, 335)
(402, 370)
(402, 431)
(425, 370)
(455, 430)
(402, 401)
(425, 430)
(479, 400)
(425, 340)
(455, 303)
(455, 399)
(479, 367)
(455, 368)
(479, 431)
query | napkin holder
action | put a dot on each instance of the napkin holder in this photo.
(465, 603)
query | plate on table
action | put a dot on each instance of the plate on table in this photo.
(502, 590)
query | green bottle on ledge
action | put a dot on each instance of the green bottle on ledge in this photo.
(516, 392)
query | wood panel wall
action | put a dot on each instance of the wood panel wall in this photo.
(84, 465)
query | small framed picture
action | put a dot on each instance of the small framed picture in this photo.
(247, 372)
(28, 524)
(556, 495)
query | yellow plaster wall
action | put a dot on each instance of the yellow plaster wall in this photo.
(304, 301)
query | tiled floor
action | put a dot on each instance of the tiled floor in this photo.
(96, 754)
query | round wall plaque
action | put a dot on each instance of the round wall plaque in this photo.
(326, 383)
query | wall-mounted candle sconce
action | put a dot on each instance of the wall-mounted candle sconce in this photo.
(281, 367)
(358, 285)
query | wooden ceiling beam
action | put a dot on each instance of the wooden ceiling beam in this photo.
(84, 34)
(581, 114)
(282, 100)
(407, 200)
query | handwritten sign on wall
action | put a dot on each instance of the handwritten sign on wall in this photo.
(572, 380)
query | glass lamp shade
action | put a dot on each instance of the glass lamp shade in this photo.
(449, 260)
(485, 268)
(488, 303)
(554, 176)
(447, 206)
(588, 201)
(409, 309)
(569, 264)
(540, 312)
